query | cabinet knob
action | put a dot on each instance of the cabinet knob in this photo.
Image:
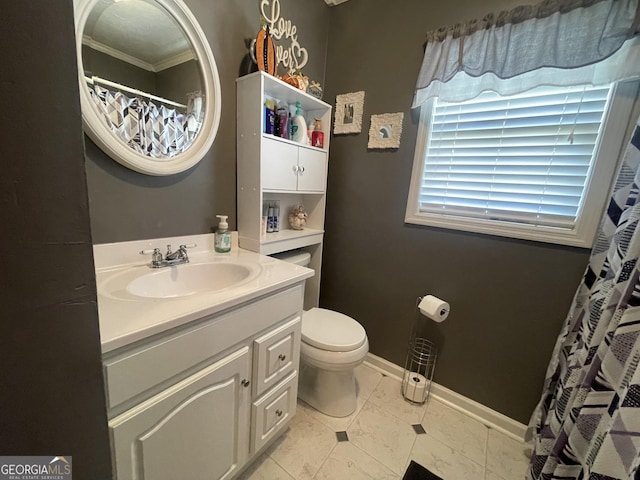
(301, 169)
(279, 413)
(245, 383)
(282, 357)
(295, 169)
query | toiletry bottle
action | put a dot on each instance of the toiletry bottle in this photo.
(298, 126)
(310, 130)
(276, 122)
(270, 220)
(317, 137)
(265, 217)
(222, 239)
(283, 119)
(276, 216)
(269, 116)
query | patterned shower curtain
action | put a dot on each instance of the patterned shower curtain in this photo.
(587, 424)
(155, 131)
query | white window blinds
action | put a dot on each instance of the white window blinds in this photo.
(525, 158)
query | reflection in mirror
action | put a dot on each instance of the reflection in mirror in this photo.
(149, 84)
(143, 76)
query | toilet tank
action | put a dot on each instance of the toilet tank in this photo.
(297, 257)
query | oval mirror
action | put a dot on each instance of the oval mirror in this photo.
(149, 85)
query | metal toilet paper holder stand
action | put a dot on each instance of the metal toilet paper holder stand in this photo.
(419, 365)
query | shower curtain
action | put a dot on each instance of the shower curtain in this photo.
(155, 131)
(587, 424)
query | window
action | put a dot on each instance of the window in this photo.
(537, 165)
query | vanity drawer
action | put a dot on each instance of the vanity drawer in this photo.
(273, 411)
(133, 371)
(275, 355)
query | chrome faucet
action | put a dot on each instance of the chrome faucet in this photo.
(171, 258)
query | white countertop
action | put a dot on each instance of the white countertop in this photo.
(125, 318)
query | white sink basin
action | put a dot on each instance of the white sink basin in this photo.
(175, 282)
(188, 279)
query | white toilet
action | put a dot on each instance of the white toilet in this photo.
(333, 345)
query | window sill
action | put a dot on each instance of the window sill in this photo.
(559, 236)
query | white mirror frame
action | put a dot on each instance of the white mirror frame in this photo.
(97, 129)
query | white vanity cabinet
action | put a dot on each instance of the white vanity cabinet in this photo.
(202, 401)
(271, 168)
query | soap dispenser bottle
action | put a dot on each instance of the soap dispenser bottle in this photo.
(222, 238)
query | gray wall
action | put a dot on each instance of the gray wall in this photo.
(508, 297)
(52, 397)
(175, 82)
(110, 68)
(126, 205)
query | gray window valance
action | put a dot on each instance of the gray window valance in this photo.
(517, 15)
(553, 36)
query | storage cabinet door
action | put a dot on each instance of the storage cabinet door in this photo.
(312, 170)
(279, 165)
(197, 428)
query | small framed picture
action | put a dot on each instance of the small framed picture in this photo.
(348, 113)
(385, 130)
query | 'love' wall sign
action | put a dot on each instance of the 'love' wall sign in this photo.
(294, 57)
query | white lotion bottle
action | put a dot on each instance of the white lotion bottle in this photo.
(298, 126)
(222, 237)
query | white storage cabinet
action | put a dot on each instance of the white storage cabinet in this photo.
(273, 168)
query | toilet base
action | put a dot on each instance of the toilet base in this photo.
(330, 392)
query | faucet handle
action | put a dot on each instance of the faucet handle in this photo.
(183, 251)
(156, 256)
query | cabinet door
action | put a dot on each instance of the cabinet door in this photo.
(197, 428)
(312, 170)
(279, 165)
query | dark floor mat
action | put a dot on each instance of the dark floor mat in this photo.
(415, 471)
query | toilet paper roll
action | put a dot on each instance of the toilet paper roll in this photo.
(434, 308)
(415, 387)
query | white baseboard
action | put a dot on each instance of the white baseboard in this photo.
(489, 417)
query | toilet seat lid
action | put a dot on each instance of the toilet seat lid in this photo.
(331, 331)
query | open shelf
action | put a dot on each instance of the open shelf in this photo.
(288, 234)
(291, 142)
(276, 88)
(288, 239)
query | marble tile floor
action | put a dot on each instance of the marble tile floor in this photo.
(381, 437)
